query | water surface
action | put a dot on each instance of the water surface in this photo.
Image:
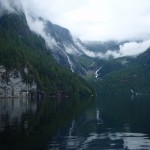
(108, 123)
(29, 124)
(112, 122)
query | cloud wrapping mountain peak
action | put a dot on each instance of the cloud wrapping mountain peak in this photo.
(10, 6)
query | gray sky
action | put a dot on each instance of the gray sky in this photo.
(97, 19)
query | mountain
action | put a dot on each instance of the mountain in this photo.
(37, 61)
(112, 75)
(98, 46)
(64, 47)
(95, 55)
(126, 75)
(123, 75)
(27, 64)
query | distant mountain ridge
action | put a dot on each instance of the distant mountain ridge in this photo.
(98, 46)
(127, 75)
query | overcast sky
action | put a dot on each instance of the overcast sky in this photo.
(97, 19)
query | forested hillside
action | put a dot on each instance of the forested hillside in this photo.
(125, 75)
(20, 48)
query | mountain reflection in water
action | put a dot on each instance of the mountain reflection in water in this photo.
(108, 123)
(111, 123)
(29, 124)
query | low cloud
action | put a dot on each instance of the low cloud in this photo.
(130, 49)
(92, 20)
(37, 25)
(10, 6)
(126, 49)
(99, 19)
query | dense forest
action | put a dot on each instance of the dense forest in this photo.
(129, 78)
(20, 48)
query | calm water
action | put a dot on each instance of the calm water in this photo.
(108, 123)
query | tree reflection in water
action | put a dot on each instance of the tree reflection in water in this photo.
(29, 124)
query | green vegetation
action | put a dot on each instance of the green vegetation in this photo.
(132, 78)
(20, 48)
(35, 128)
(90, 63)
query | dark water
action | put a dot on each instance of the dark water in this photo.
(30, 124)
(108, 123)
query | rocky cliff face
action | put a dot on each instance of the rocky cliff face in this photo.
(12, 85)
(27, 63)
(65, 49)
(62, 44)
